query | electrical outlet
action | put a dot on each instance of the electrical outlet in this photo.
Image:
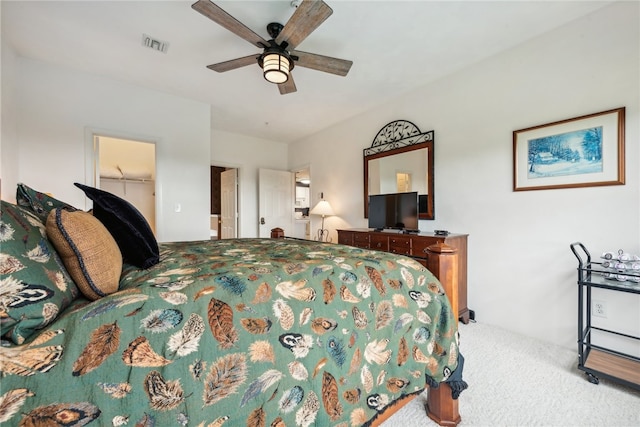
(599, 308)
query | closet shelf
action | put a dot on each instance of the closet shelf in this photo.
(138, 180)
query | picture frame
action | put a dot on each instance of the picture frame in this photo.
(584, 151)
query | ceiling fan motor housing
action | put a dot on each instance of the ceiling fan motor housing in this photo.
(274, 29)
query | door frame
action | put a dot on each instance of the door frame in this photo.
(238, 169)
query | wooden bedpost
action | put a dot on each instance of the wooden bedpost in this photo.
(442, 261)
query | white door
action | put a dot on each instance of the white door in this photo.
(276, 197)
(229, 204)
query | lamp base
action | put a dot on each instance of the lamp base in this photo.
(323, 235)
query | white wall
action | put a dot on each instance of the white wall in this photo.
(55, 108)
(67, 103)
(248, 154)
(8, 136)
(522, 274)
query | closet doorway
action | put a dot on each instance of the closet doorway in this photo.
(127, 168)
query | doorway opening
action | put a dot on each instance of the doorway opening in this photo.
(224, 203)
(127, 169)
(302, 226)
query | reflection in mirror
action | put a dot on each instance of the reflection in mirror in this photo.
(395, 174)
(403, 179)
(401, 160)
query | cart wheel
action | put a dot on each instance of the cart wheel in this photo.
(593, 379)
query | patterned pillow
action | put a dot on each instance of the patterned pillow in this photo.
(127, 226)
(35, 285)
(39, 203)
(88, 250)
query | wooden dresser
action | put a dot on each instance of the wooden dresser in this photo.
(413, 245)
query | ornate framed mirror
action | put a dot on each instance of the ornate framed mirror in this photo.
(400, 160)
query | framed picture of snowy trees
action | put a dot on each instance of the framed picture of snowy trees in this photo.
(584, 151)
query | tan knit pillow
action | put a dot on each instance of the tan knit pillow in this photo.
(88, 251)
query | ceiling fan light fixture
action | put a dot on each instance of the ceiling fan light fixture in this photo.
(276, 67)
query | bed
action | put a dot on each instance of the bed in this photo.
(256, 332)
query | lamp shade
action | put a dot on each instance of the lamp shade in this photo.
(322, 208)
(275, 67)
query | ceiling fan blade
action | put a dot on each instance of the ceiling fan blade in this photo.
(221, 67)
(219, 16)
(307, 17)
(327, 64)
(287, 87)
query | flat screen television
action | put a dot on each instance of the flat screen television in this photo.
(398, 211)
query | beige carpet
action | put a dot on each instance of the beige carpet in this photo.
(518, 381)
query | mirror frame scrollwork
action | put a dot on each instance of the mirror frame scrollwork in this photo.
(398, 137)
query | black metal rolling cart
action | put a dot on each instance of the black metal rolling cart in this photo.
(595, 360)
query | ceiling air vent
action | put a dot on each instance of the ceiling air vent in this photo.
(155, 44)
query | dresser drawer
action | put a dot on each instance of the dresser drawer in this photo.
(380, 243)
(345, 238)
(400, 245)
(361, 240)
(420, 245)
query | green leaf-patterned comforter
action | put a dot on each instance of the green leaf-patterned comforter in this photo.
(252, 332)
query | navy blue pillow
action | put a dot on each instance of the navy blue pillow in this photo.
(127, 225)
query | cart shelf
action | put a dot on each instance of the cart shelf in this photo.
(597, 361)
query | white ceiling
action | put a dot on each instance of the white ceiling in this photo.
(395, 46)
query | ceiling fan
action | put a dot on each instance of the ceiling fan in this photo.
(278, 55)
